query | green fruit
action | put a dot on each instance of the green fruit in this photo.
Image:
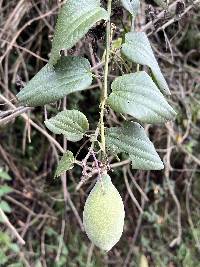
(103, 215)
(143, 261)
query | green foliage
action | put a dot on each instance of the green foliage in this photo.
(4, 176)
(137, 48)
(134, 94)
(71, 123)
(4, 190)
(131, 5)
(33, 164)
(74, 21)
(186, 256)
(69, 75)
(5, 206)
(137, 95)
(66, 163)
(132, 140)
(7, 247)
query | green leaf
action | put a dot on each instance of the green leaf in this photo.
(74, 21)
(3, 258)
(5, 206)
(4, 176)
(4, 190)
(15, 248)
(132, 140)
(38, 263)
(137, 95)
(71, 123)
(137, 48)
(131, 5)
(50, 84)
(66, 163)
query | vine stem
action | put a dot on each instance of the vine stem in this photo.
(105, 85)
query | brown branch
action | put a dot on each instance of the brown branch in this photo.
(162, 14)
(180, 16)
(178, 239)
(15, 114)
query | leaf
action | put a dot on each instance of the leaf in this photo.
(132, 6)
(137, 48)
(15, 248)
(132, 140)
(4, 176)
(5, 206)
(71, 123)
(137, 95)
(66, 163)
(74, 21)
(4, 190)
(50, 84)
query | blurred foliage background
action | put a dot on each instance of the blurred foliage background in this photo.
(167, 233)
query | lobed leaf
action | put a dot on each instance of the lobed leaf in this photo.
(74, 21)
(132, 140)
(137, 95)
(66, 163)
(137, 48)
(71, 123)
(131, 5)
(50, 84)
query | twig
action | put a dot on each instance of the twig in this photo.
(137, 229)
(21, 205)
(11, 227)
(137, 185)
(95, 171)
(43, 251)
(130, 192)
(159, 16)
(76, 213)
(178, 239)
(8, 112)
(180, 16)
(121, 163)
(37, 127)
(61, 241)
(23, 28)
(14, 115)
(26, 50)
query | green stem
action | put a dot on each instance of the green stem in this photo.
(105, 85)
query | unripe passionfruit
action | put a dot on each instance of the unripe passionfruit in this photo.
(143, 261)
(103, 215)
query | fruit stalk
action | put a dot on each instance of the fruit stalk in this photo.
(105, 85)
